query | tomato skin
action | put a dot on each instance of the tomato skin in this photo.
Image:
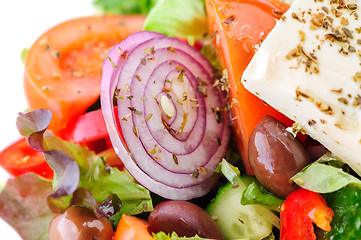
(132, 228)
(239, 27)
(63, 67)
(19, 158)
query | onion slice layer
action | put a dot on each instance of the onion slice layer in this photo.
(170, 131)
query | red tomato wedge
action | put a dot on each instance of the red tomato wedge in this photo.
(239, 27)
(132, 228)
(63, 67)
(19, 158)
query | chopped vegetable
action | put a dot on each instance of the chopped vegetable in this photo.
(210, 52)
(63, 67)
(23, 54)
(88, 129)
(164, 18)
(346, 205)
(85, 128)
(237, 221)
(19, 158)
(172, 118)
(322, 178)
(125, 6)
(238, 27)
(300, 209)
(132, 228)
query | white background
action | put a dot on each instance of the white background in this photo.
(21, 23)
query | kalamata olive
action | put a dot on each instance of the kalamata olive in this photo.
(275, 156)
(314, 149)
(80, 223)
(184, 218)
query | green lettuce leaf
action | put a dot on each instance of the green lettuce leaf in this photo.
(323, 177)
(174, 236)
(179, 18)
(23, 206)
(229, 171)
(23, 54)
(210, 52)
(125, 6)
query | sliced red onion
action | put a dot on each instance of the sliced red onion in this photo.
(168, 110)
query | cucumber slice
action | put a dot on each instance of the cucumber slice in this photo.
(237, 221)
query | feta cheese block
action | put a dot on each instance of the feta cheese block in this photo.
(309, 68)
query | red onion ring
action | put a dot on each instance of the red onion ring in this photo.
(165, 97)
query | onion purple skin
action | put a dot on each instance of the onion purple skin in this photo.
(176, 157)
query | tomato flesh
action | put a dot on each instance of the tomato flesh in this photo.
(63, 67)
(20, 158)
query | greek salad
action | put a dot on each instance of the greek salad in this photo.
(190, 119)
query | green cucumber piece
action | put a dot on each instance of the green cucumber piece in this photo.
(237, 221)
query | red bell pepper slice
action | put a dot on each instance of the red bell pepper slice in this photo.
(90, 129)
(85, 129)
(300, 209)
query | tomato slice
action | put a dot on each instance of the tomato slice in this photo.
(132, 228)
(239, 27)
(63, 67)
(19, 158)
